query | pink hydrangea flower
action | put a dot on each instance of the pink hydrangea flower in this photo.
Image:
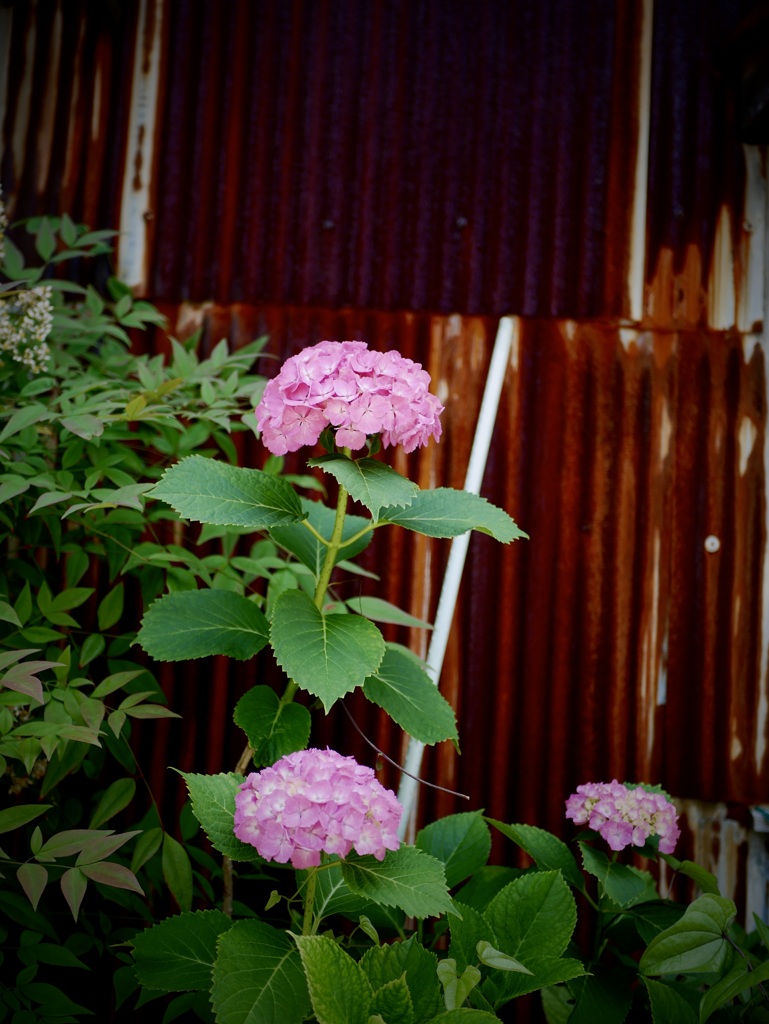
(625, 815)
(356, 392)
(316, 801)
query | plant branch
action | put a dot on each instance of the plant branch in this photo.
(401, 769)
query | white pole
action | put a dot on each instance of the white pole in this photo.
(495, 379)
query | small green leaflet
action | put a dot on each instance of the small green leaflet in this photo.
(206, 491)
(213, 804)
(445, 512)
(258, 977)
(407, 878)
(178, 954)
(374, 484)
(199, 623)
(624, 884)
(402, 687)
(327, 655)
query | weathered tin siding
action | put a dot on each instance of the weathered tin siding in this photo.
(405, 172)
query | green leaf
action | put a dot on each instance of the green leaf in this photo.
(115, 875)
(33, 878)
(409, 959)
(704, 880)
(696, 943)
(493, 957)
(461, 841)
(393, 1002)
(272, 727)
(456, 987)
(332, 894)
(93, 646)
(407, 878)
(199, 623)
(465, 1015)
(383, 611)
(297, 539)
(213, 803)
(445, 512)
(54, 1003)
(372, 483)
(177, 871)
(178, 954)
(467, 932)
(622, 883)
(328, 655)
(146, 847)
(731, 985)
(24, 417)
(402, 687)
(12, 818)
(84, 425)
(605, 995)
(111, 607)
(667, 1005)
(547, 851)
(114, 799)
(258, 977)
(8, 614)
(533, 917)
(339, 990)
(206, 491)
(73, 885)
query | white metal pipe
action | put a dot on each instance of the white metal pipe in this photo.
(495, 379)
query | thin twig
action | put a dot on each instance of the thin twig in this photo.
(401, 769)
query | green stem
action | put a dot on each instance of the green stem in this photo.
(309, 901)
(332, 550)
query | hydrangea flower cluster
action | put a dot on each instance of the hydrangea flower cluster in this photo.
(313, 801)
(26, 318)
(357, 392)
(625, 815)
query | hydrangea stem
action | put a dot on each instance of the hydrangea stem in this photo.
(309, 901)
(332, 550)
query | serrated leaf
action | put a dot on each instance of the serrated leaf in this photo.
(402, 687)
(332, 894)
(667, 1005)
(213, 803)
(258, 976)
(339, 990)
(206, 491)
(696, 943)
(393, 1002)
(467, 932)
(409, 959)
(327, 655)
(272, 727)
(622, 883)
(407, 878)
(200, 623)
(546, 850)
(533, 917)
(445, 512)
(178, 954)
(372, 483)
(460, 841)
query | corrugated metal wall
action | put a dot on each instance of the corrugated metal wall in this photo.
(405, 172)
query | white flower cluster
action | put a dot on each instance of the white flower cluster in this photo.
(26, 317)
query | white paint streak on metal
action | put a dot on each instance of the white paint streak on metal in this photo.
(637, 262)
(751, 300)
(722, 296)
(717, 841)
(746, 440)
(628, 336)
(495, 379)
(135, 202)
